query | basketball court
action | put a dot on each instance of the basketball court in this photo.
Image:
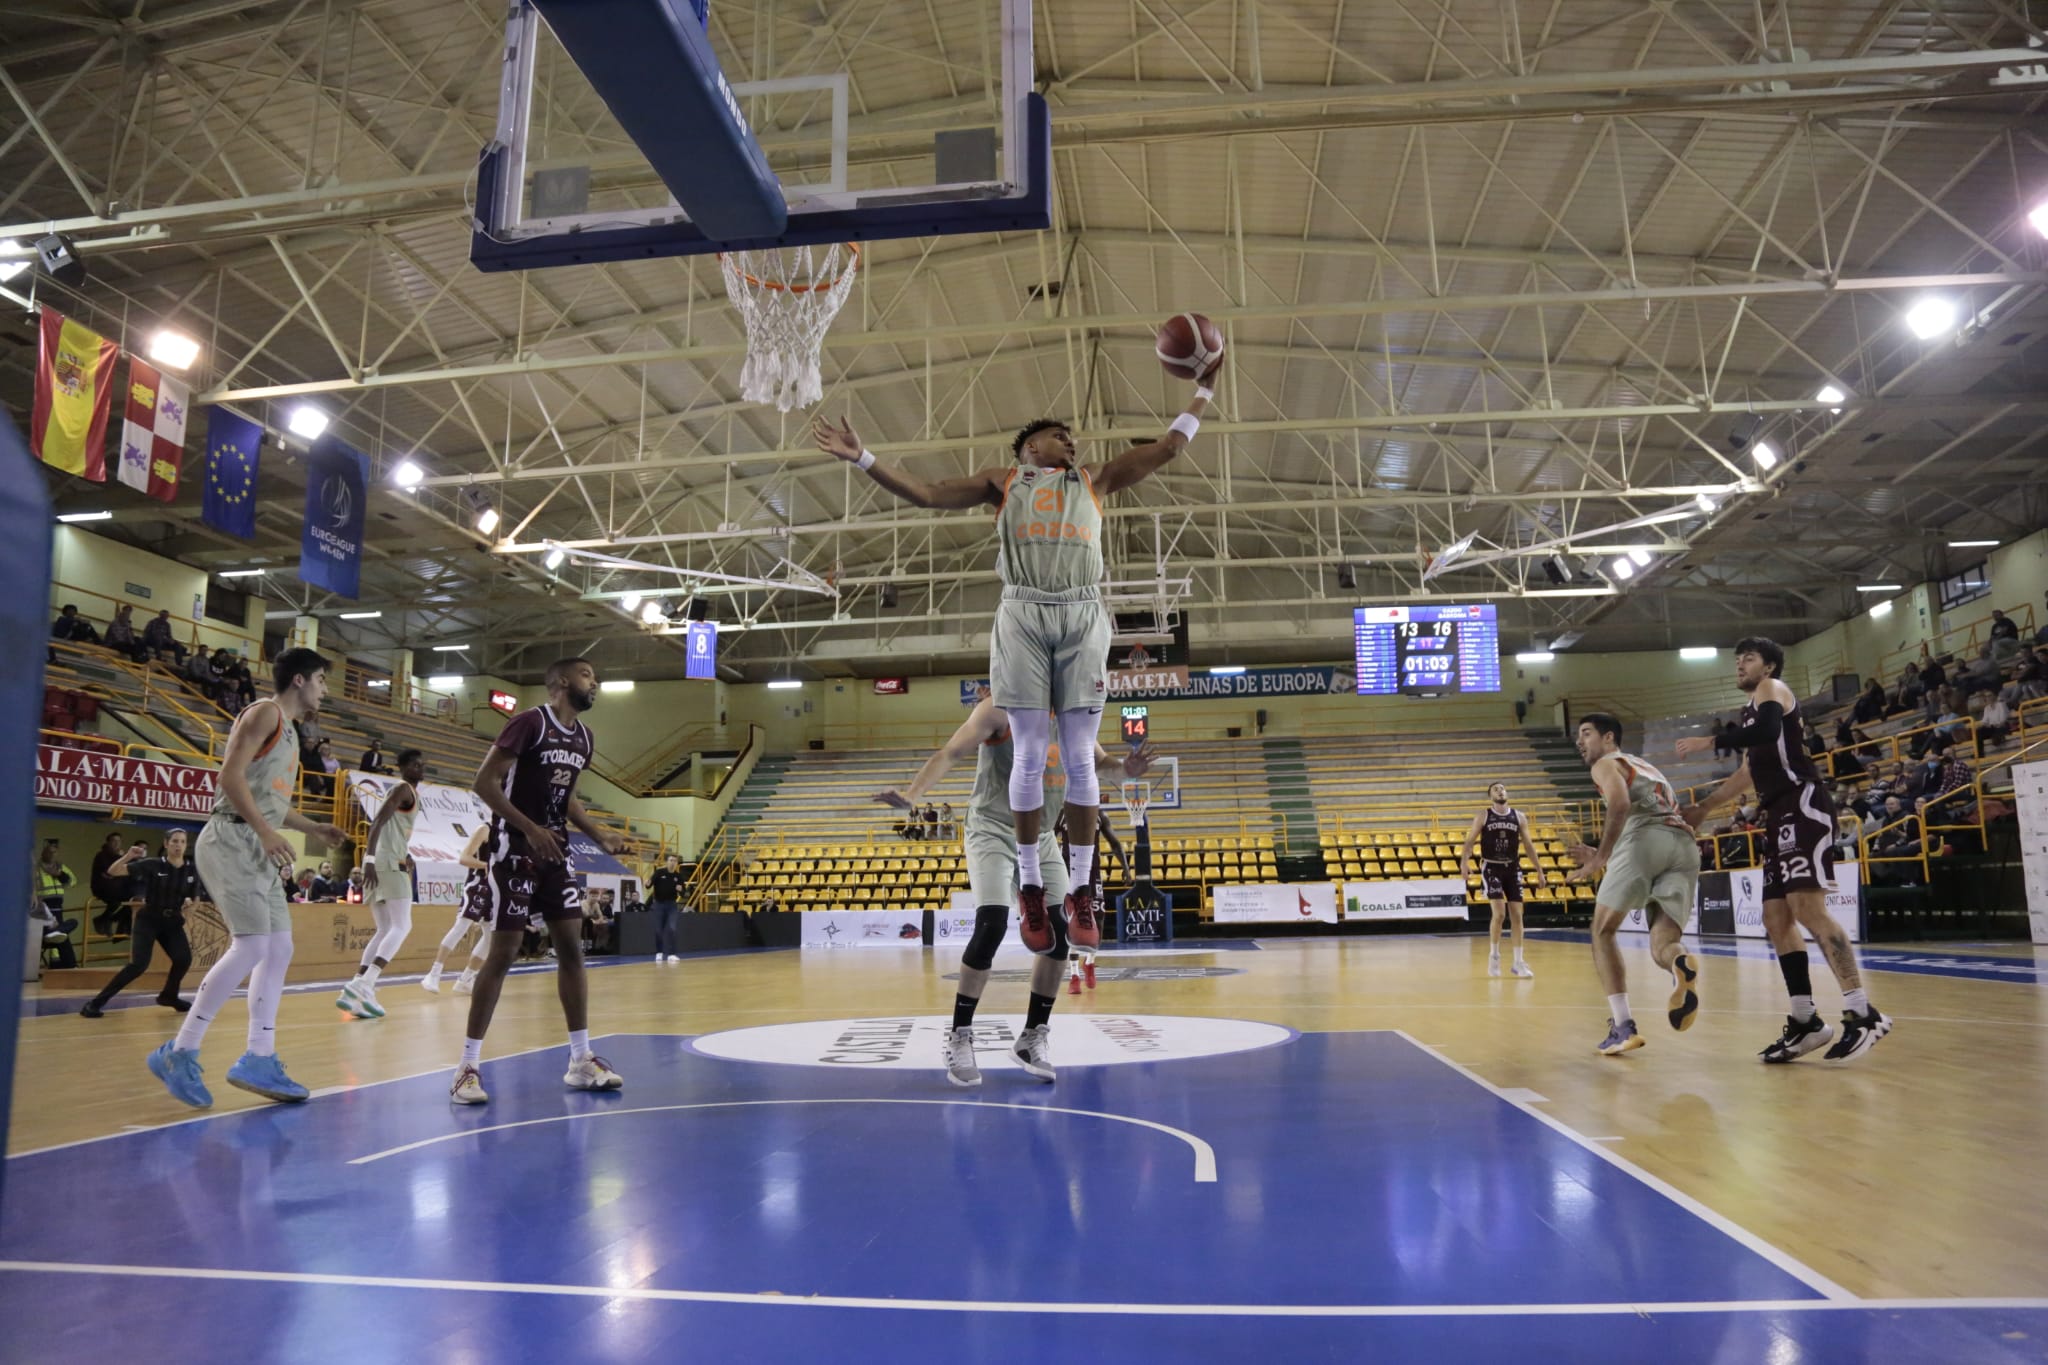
(627, 251)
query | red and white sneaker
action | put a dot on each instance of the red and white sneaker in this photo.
(1088, 971)
(1083, 931)
(1073, 985)
(1034, 925)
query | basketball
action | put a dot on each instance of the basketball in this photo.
(1189, 346)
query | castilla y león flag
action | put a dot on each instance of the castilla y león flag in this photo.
(74, 385)
(153, 431)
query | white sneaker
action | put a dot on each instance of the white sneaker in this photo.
(958, 1051)
(466, 983)
(359, 1000)
(432, 980)
(1493, 963)
(1034, 1051)
(1521, 969)
(592, 1072)
(468, 1087)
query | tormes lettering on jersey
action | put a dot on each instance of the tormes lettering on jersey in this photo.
(1501, 836)
(549, 758)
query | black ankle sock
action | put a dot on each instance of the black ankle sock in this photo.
(1038, 1011)
(1793, 965)
(963, 1011)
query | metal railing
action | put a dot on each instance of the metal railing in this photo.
(187, 633)
(1967, 636)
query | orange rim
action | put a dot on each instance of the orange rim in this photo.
(853, 260)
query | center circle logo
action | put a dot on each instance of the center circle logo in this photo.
(911, 1043)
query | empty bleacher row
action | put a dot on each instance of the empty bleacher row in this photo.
(807, 831)
(1399, 855)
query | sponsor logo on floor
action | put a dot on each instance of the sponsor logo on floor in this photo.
(1107, 973)
(912, 1043)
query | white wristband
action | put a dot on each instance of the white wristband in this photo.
(866, 460)
(1204, 392)
(1187, 424)
(369, 862)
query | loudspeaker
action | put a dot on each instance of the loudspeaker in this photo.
(700, 610)
(1557, 570)
(1347, 577)
(60, 261)
(888, 594)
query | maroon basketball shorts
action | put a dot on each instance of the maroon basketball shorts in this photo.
(1799, 842)
(514, 891)
(1502, 881)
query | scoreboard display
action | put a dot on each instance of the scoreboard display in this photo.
(1426, 649)
(1137, 724)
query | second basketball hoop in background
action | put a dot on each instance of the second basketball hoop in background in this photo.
(787, 298)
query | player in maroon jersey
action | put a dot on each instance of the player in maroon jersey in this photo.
(529, 781)
(1798, 856)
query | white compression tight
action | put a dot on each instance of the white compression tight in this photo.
(1077, 757)
(1031, 736)
(394, 922)
(260, 958)
(453, 937)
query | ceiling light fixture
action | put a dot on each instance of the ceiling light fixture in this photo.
(86, 516)
(1226, 671)
(557, 557)
(307, 421)
(9, 269)
(1535, 656)
(1706, 502)
(240, 573)
(444, 681)
(1623, 569)
(407, 474)
(652, 614)
(1931, 317)
(2039, 218)
(487, 521)
(1765, 454)
(1881, 609)
(1641, 557)
(173, 349)
(1829, 394)
(449, 649)
(784, 685)
(1878, 587)
(616, 685)
(1971, 544)
(361, 615)
(1698, 652)
(630, 603)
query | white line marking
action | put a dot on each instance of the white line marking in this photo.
(1804, 1273)
(1205, 1155)
(1210, 1310)
(133, 1128)
(1607, 1139)
(1523, 1097)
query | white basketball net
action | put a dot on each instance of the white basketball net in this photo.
(787, 296)
(1137, 799)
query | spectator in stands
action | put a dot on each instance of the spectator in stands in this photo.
(69, 625)
(931, 821)
(354, 894)
(2003, 627)
(112, 890)
(2041, 635)
(245, 687)
(320, 767)
(1911, 688)
(949, 828)
(305, 886)
(1899, 836)
(373, 758)
(159, 639)
(1816, 742)
(768, 904)
(53, 880)
(326, 886)
(600, 923)
(1870, 705)
(667, 892)
(1980, 673)
(198, 671)
(121, 637)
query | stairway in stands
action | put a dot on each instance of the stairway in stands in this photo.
(1293, 802)
(1565, 768)
(752, 802)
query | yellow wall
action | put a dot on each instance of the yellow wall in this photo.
(86, 564)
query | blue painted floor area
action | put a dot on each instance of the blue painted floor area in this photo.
(1933, 960)
(1351, 1170)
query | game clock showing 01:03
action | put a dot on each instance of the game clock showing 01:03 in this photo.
(1426, 650)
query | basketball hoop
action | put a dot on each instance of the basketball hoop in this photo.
(1137, 796)
(787, 296)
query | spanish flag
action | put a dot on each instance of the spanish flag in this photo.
(74, 388)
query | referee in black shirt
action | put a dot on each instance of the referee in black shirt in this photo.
(168, 886)
(667, 895)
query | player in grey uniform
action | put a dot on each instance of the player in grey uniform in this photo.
(239, 855)
(1647, 860)
(991, 845)
(1049, 649)
(387, 885)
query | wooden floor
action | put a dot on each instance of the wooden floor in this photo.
(1915, 1172)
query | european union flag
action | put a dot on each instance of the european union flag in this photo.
(233, 446)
